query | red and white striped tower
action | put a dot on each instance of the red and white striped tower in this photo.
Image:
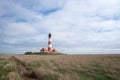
(49, 42)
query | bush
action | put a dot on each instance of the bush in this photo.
(28, 53)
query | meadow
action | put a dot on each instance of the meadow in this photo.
(63, 67)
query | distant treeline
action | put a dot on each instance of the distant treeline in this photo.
(42, 53)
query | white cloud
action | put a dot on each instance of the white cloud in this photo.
(74, 25)
(19, 29)
(14, 12)
(86, 26)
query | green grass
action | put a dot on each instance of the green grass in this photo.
(62, 71)
(50, 77)
(92, 73)
(34, 64)
(70, 68)
(3, 72)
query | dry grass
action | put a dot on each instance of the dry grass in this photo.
(14, 76)
(73, 67)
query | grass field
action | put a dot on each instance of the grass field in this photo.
(64, 67)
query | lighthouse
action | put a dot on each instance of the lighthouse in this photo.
(50, 49)
(49, 42)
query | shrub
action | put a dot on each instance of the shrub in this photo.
(28, 53)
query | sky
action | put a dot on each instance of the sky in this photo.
(77, 26)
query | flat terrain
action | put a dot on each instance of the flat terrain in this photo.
(60, 67)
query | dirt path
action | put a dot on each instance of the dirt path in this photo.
(25, 72)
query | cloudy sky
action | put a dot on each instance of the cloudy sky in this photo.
(77, 26)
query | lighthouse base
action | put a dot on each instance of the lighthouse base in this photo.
(44, 50)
